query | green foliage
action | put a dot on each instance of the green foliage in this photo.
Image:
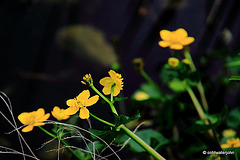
(235, 78)
(150, 136)
(106, 134)
(233, 120)
(118, 120)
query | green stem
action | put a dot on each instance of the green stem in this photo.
(143, 144)
(199, 85)
(235, 153)
(101, 120)
(62, 141)
(149, 80)
(105, 99)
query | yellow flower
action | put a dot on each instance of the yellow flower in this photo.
(87, 79)
(32, 119)
(81, 102)
(115, 81)
(141, 96)
(173, 62)
(229, 133)
(59, 114)
(175, 39)
(231, 143)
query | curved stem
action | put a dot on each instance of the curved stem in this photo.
(62, 141)
(101, 120)
(199, 85)
(105, 99)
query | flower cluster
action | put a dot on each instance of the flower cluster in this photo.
(112, 85)
(231, 143)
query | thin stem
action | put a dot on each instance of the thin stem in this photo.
(143, 144)
(199, 85)
(149, 80)
(62, 141)
(235, 154)
(198, 107)
(105, 99)
(101, 120)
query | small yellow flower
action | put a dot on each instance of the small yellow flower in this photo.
(80, 103)
(186, 61)
(229, 133)
(87, 79)
(141, 96)
(175, 39)
(231, 143)
(173, 62)
(114, 82)
(32, 119)
(59, 114)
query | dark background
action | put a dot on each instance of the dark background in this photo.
(41, 69)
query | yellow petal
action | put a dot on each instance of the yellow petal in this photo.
(187, 41)
(44, 118)
(107, 81)
(164, 43)
(84, 95)
(166, 35)
(28, 128)
(112, 74)
(38, 124)
(92, 100)
(176, 46)
(181, 33)
(71, 110)
(39, 113)
(84, 113)
(23, 118)
(106, 90)
(71, 102)
(225, 146)
(116, 90)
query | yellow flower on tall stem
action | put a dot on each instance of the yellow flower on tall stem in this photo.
(231, 143)
(80, 103)
(59, 114)
(175, 39)
(113, 84)
(32, 119)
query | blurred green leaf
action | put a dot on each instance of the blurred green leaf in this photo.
(148, 136)
(235, 78)
(233, 120)
(122, 119)
(106, 134)
(120, 98)
(176, 85)
(216, 120)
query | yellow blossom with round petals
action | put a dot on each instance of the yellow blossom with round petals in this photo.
(141, 96)
(175, 39)
(114, 83)
(173, 62)
(80, 103)
(59, 114)
(231, 143)
(229, 133)
(32, 119)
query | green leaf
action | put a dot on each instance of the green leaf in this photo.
(122, 119)
(149, 136)
(106, 134)
(216, 120)
(233, 120)
(176, 85)
(235, 78)
(120, 98)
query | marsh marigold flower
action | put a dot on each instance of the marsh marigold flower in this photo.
(80, 103)
(32, 119)
(231, 143)
(173, 62)
(59, 114)
(175, 39)
(141, 96)
(114, 82)
(229, 133)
